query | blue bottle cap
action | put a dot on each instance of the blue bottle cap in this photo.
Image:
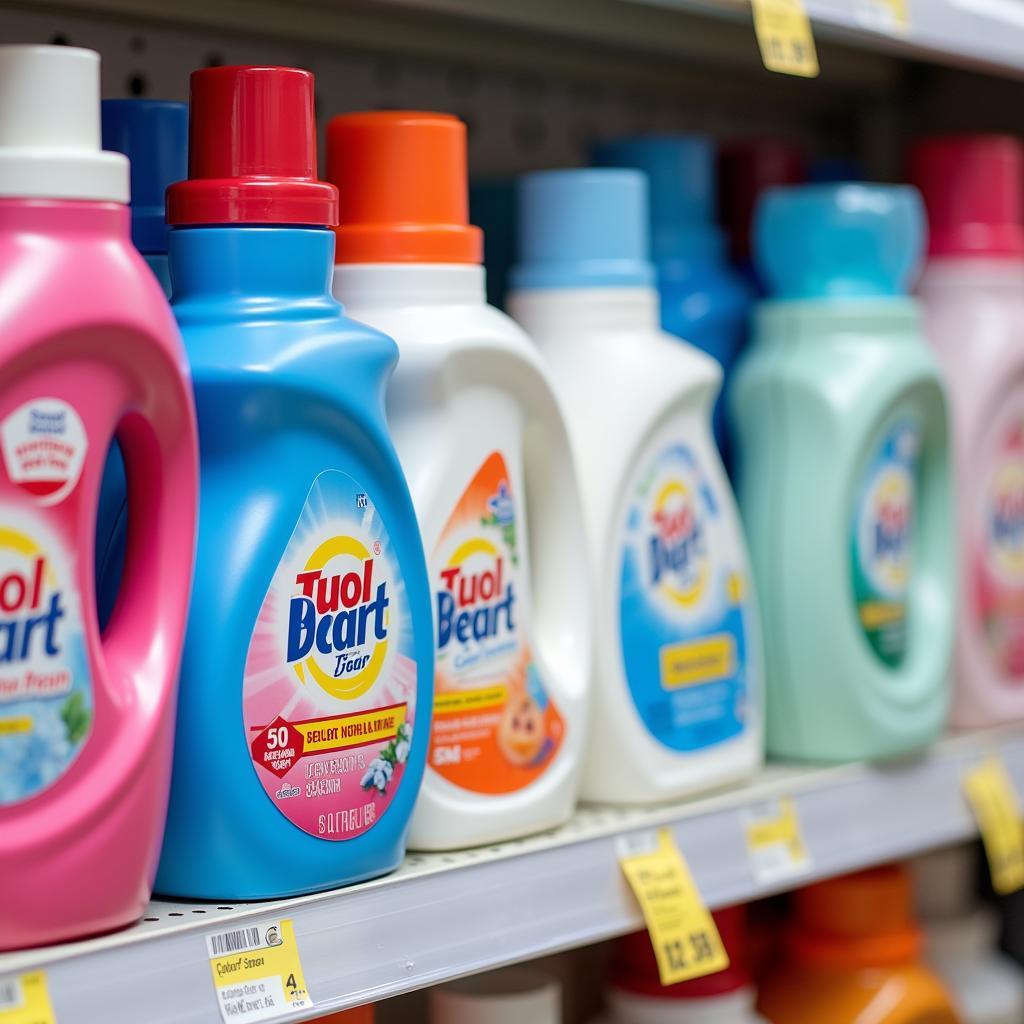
(583, 229)
(839, 241)
(683, 191)
(153, 134)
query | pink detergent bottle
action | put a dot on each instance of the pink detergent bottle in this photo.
(88, 347)
(973, 293)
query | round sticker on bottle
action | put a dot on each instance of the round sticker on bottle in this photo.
(329, 695)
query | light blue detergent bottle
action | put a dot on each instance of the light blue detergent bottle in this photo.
(153, 134)
(703, 299)
(307, 675)
(844, 477)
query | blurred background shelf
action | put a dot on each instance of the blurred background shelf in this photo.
(446, 915)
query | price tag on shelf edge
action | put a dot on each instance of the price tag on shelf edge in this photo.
(785, 37)
(884, 15)
(25, 999)
(257, 973)
(775, 842)
(683, 933)
(990, 793)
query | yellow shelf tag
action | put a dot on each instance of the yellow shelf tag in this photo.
(884, 15)
(25, 999)
(784, 35)
(990, 793)
(775, 841)
(683, 933)
(257, 973)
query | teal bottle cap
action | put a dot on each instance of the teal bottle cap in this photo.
(839, 241)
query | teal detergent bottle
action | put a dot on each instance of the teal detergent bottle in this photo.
(844, 477)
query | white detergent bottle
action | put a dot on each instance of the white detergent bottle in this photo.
(485, 450)
(961, 935)
(678, 665)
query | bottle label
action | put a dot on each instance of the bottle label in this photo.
(998, 543)
(496, 729)
(44, 445)
(46, 698)
(683, 604)
(882, 537)
(329, 695)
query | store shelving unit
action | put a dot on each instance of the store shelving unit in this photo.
(445, 915)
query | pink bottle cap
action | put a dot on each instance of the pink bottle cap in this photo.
(972, 189)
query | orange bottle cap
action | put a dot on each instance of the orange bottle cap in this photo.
(358, 1015)
(858, 920)
(404, 196)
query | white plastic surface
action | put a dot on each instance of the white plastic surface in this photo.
(974, 320)
(470, 383)
(730, 1008)
(628, 388)
(517, 995)
(50, 127)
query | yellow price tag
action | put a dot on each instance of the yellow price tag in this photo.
(775, 841)
(885, 15)
(683, 933)
(25, 999)
(784, 35)
(991, 795)
(257, 973)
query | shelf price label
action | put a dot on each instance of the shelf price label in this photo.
(683, 933)
(990, 793)
(257, 973)
(884, 15)
(775, 841)
(785, 38)
(25, 999)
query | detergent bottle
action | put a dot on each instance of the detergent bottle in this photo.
(677, 704)
(636, 996)
(483, 443)
(703, 299)
(853, 954)
(961, 936)
(973, 294)
(512, 995)
(844, 477)
(306, 676)
(153, 134)
(88, 350)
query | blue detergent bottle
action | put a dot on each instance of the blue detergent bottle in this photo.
(703, 299)
(153, 134)
(307, 674)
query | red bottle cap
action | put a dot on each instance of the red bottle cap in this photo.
(745, 170)
(971, 186)
(404, 194)
(252, 151)
(635, 969)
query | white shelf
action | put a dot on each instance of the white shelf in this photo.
(445, 915)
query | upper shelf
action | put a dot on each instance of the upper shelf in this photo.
(445, 915)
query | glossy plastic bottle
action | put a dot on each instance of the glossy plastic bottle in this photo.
(677, 702)
(844, 478)
(153, 134)
(853, 954)
(88, 347)
(482, 440)
(513, 995)
(306, 677)
(636, 996)
(703, 299)
(973, 295)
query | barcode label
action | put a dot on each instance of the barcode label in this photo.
(242, 940)
(11, 995)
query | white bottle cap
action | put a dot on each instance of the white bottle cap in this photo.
(50, 127)
(515, 995)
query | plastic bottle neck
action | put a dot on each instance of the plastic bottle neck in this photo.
(409, 284)
(593, 310)
(251, 262)
(65, 216)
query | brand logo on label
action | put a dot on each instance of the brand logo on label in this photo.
(677, 544)
(474, 602)
(1006, 518)
(32, 605)
(889, 508)
(338, 621)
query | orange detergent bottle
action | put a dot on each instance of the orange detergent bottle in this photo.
(852, 956)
